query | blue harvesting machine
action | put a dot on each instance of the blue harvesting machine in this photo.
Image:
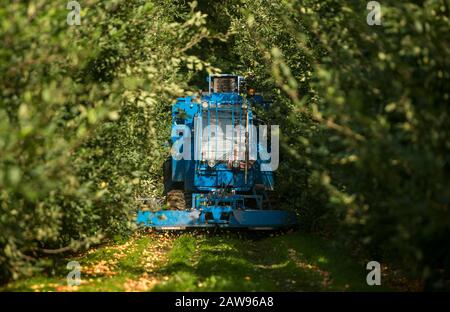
(220, 173)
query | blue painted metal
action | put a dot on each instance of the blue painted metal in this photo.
(224, 194)
(249, 219)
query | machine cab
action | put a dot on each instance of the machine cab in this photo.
(224, 83)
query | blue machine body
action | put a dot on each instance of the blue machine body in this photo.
(216, 163)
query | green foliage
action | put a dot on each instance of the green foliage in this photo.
(83, 113)
(366, 143)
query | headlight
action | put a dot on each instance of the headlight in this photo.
(236, 164)
(205, 105)
(211, 163)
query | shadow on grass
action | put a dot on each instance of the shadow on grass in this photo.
(224, 261)
(235, 262)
